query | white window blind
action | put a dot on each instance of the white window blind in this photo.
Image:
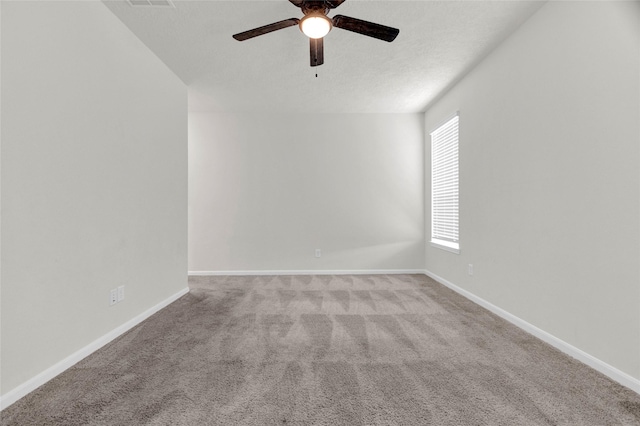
(444, 185)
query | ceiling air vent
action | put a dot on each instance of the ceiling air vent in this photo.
(154, 3)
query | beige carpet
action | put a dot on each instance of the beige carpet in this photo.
(326, 350)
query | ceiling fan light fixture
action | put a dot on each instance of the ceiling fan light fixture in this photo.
(315, 25)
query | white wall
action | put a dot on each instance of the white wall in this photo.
(550, 178)
(266, 190)
(94, 181)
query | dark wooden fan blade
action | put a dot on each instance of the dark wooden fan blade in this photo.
(334, 3)
(266, 29)
(370, 29)
(316, 47)
(297, 3)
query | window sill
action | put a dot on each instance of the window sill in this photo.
(446, 245)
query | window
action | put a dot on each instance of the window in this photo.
(444, 186)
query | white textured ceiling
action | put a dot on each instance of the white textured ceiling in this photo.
(439, 42)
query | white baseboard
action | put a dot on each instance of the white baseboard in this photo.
(311, 272)
(51, 372)
(593, 362)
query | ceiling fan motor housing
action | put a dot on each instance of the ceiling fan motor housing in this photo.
(315, 7)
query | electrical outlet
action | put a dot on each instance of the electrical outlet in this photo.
(120, 293)
(318, 253)
(470, 269)
(113, 297)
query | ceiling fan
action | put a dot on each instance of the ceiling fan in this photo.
(316, 24)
